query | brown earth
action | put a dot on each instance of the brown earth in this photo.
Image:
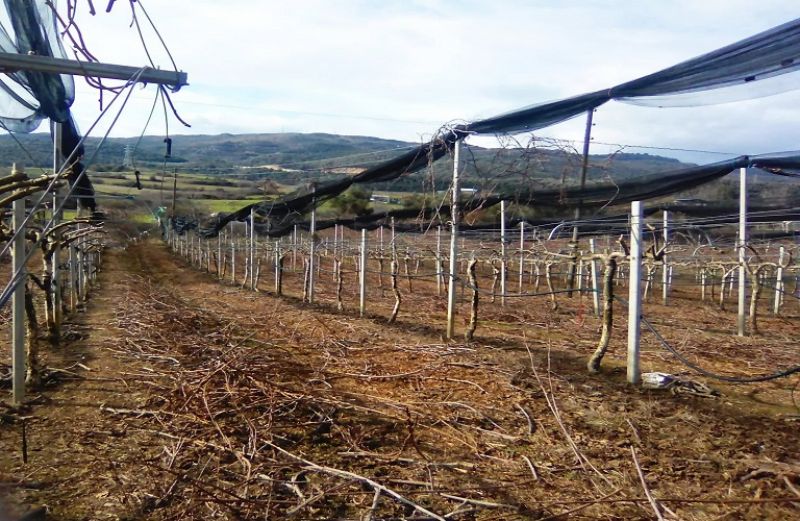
(181, 398)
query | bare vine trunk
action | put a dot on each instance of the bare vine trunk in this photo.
(548, 277)
(473, 317)
(608, 314)
(380, 272)
(246, 273)
(33, 377)
(279, 282)
(53, 333)
(754, 296)
(337, 267)
(495, 278)
(651, 272)
(306, 265)
(258, 275)
(406, 259)
(722, 290)
(397, 298)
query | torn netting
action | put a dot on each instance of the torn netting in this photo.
(298, 204)
(282, 216)
(28, 97)
(762, 56)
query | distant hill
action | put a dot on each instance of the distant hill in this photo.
(223, 150)
(293, 158)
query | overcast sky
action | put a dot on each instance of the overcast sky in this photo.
(399, 68)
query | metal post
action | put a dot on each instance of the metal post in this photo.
(312, 250)
(394, 235)
(742, 244)
(362, 275)
(277, 266)
(439, 275)
(46, 64)
(56, 258)
(73, 260)
(335, 251)
(502, 253)
(81, 277)
(521, 253)
(294, 248)
(665, 282)
(635, 294)
(18, 302)
(88, 257)
(219, 254)
(252, 248)
(174, 192)
(587, 139)
(595, 282)
(779, 282)
(451, 288)
(233, 257)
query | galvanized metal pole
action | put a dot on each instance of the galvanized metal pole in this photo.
(294, 248)
(595, 282)
(312, 251)
(776, 308)
(451, 288)
(73, 272)
(81, 271)
(439, 275)
(252, 248)
(587, 139)
(277, 266)
(219, 254)
(233, 257)
(503, 253)
(18, 301)
(56, 258)
(742, 253)
(664, 266)
(362, 275)
(521, 253)
(12, 62)
(635, 294)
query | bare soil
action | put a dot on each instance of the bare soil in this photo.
(183, 398)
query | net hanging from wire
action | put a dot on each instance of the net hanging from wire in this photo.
(766, 55)
(283, 215)
(29, 97)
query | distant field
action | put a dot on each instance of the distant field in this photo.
(202, 194)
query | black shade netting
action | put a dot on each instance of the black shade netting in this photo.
(300, 203)
(28, 97)
(596, 196)
(768, 54)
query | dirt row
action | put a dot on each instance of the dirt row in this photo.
(181, 398)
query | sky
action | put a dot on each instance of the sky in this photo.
(402, 68)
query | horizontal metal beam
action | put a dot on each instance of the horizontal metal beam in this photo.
(13, 62)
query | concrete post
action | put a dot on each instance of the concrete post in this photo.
(635, 294)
